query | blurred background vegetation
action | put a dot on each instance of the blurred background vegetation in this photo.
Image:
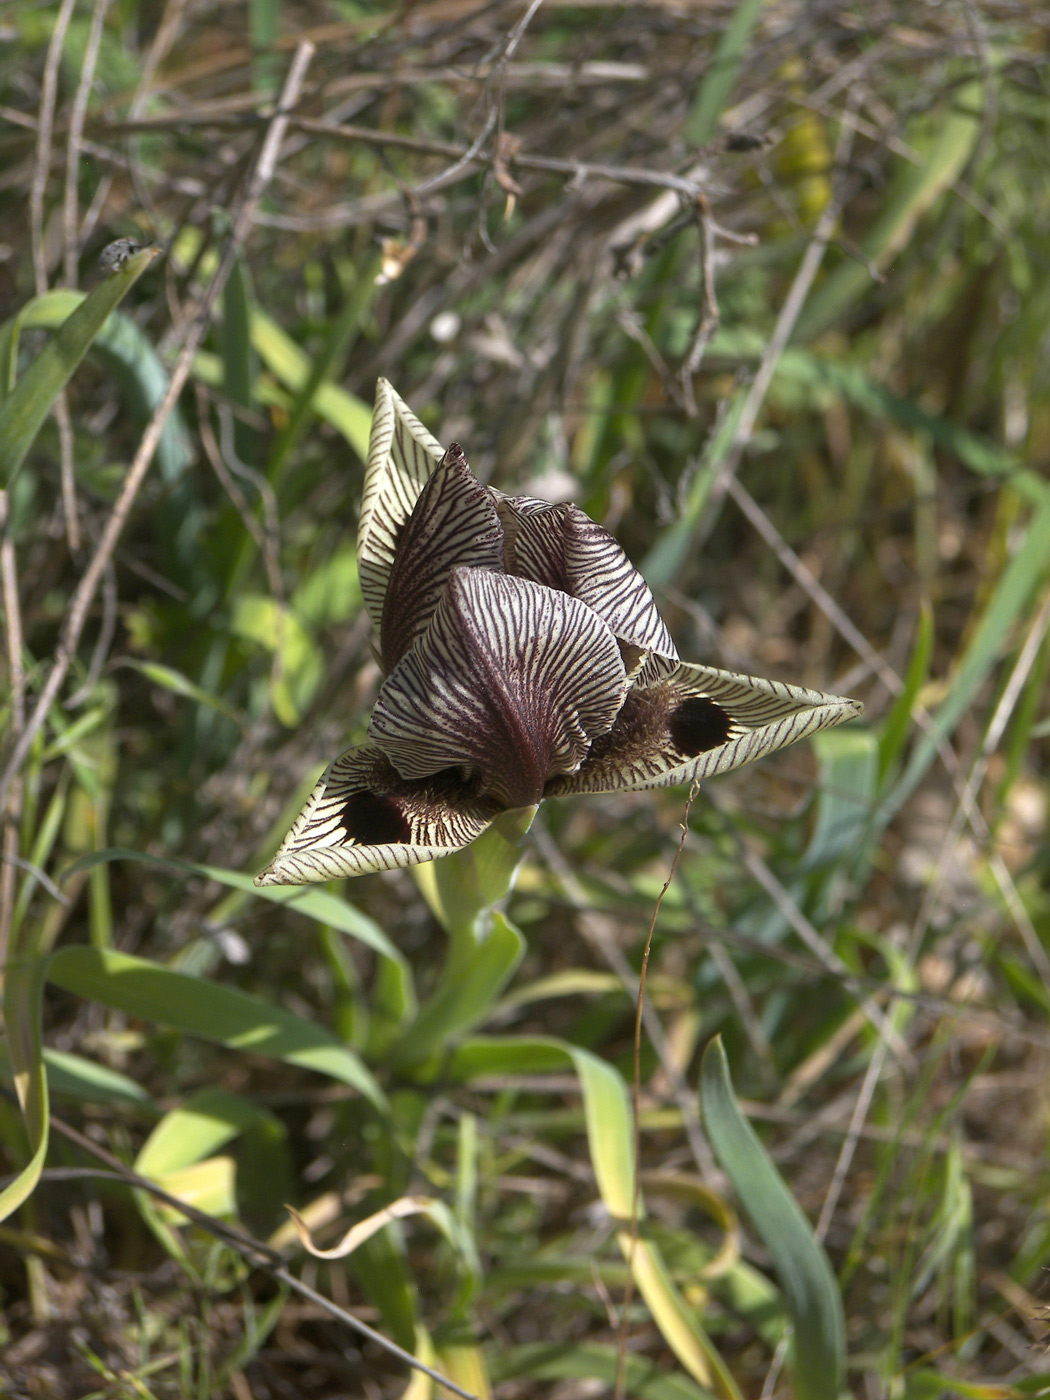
(766, 290)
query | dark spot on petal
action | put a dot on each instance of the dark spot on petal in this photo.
(698, 725)
(375, 821)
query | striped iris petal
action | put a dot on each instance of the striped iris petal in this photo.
(524, 657)
(563, 548)
(510, 682)
(697, 722)
(401, 457)
(363, 816)
(452, 523)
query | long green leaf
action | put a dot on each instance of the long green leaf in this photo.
(1009, 601)
(897, 724)
(178, 684)
(94, 1083)
(944, 142)
(563, 1361)
(316, 904)
(196, 1129)
(23, 994)
(610, 1138)
(810, 1288)
(23, 412)
(124, 351)
(220, 1014)
(721, 73)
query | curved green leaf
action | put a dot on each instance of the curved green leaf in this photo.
(292, 366)
(562, 1361)
(809, 1286)
(23, 992)
(610, 1139)
(316, 904)
(126, 353)
(23, 411)
(221, 1014)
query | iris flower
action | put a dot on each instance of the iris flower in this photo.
(524, 658)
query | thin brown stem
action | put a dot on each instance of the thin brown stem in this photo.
(636, 1104)
(44, 131)
(255, 1252)
(709, 312)
(192, 335)
(70, 218)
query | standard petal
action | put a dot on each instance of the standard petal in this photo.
(562, 547)
(699, 722)
(511, 682)
(363, 816)
(453, 522)
(401, 458)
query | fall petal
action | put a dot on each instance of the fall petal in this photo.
(698, 722)
(511, 682)
(453, 522)
(363, 816)
(562, 547)
(402, 456)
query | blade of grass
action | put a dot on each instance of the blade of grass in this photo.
(238, 359)
(1022, 574)
(898, 723)
(23, 996)
(563, 1361)
(324, 364)
(721, 73)
(802, 1267)
(23, 411)
(610, 1138)
(220, 1014)
(292, 366)
(316, 904)
(125, 352)
(944, 142)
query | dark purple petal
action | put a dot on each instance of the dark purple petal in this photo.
(562, 547)
(511, 682)
(453, 523)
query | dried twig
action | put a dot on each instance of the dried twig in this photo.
(709, 316)
(74, 138)
(44, 128)
(255, 1252)
(495, 105)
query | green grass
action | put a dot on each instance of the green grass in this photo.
(862, 920)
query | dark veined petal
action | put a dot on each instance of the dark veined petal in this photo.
(562, 547)
(699, 722)
(363, 816)
(453, 522)
(401, 457)
(510, 682)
